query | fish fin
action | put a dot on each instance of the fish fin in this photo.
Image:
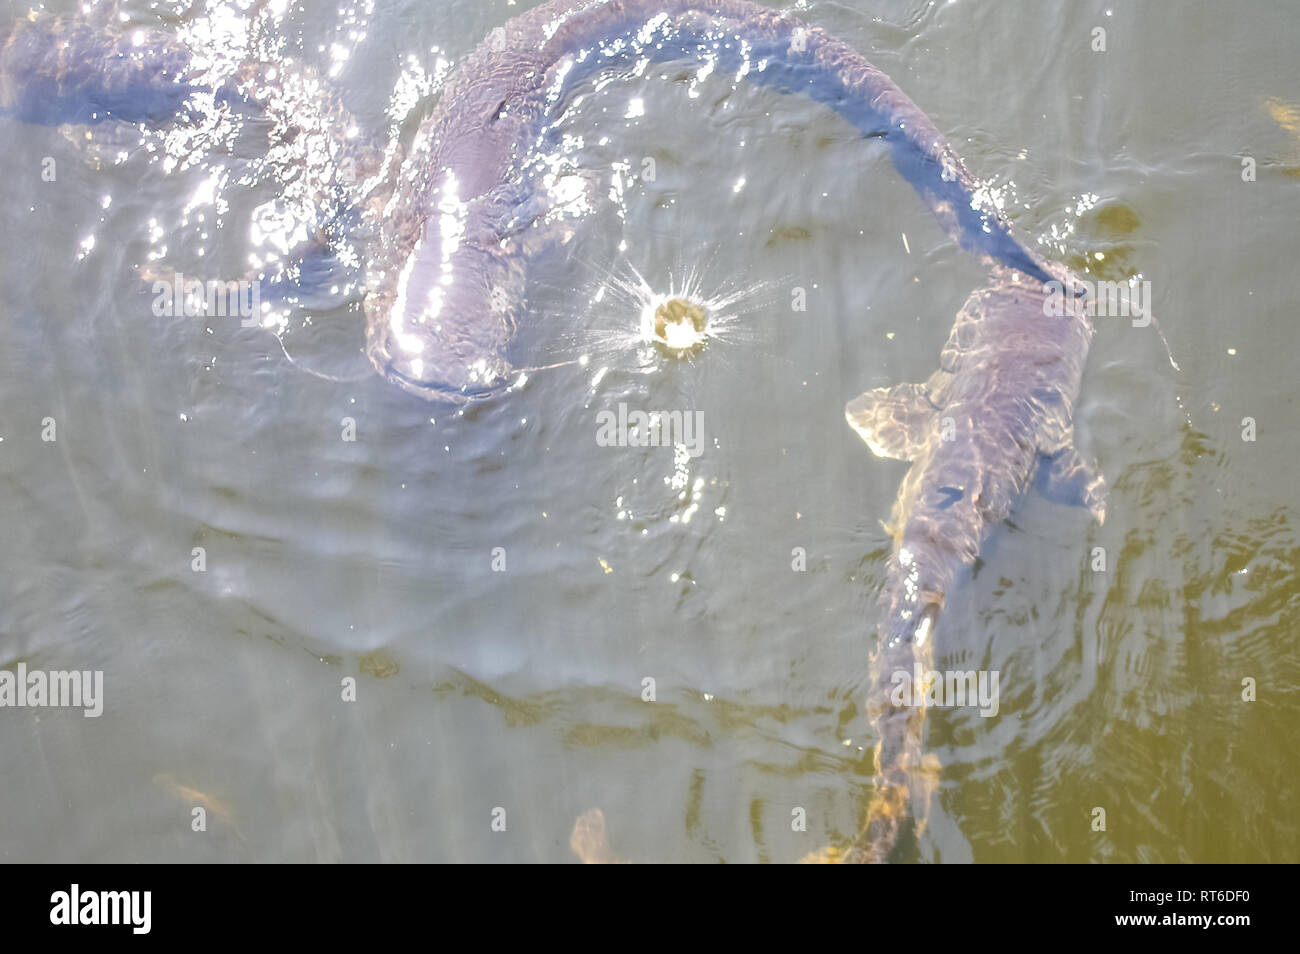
(936, 388)
(1065, 478)
(893, 421)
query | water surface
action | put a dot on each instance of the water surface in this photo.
(373, 559)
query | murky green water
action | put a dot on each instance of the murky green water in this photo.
(476, 690)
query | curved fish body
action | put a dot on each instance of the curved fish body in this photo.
(997, 414)
(56, 70)
(92, 70)
(447, 297)
(445, 287)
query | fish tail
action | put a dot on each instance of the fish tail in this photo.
(781, 52)
(905, 778)
(902, 788)
(832, 72)
(806, 60)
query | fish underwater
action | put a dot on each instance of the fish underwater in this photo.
(452, 218)
(996, 415)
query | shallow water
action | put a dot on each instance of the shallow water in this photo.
(522, 689)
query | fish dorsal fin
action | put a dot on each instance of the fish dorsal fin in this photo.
(893, 421)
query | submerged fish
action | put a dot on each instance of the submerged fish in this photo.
(212, 805)
(446, 305)
(446, 268)
(455, 215)
(997, 413)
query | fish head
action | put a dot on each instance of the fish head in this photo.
(443, 317)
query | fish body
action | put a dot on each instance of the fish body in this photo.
(71, 70)
(446, 268)
(448, 289)
(996, 415)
